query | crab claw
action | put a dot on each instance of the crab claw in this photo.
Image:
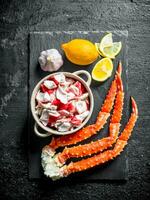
(119, 82)
(134, 106)
(119, 70)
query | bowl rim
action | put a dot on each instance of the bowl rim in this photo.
(33, 103)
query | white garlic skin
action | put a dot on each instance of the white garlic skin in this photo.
(50, 60)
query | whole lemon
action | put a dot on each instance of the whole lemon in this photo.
(80, 51)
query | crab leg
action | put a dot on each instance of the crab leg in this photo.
(91, 129)
(106, 155)
(101, 144)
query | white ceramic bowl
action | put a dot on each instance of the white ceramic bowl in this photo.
(48, 131)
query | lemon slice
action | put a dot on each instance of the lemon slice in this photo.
(97, 48)
(112, 51)
(106, 41)
(102, 70)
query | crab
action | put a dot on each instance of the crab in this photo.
(98, 152)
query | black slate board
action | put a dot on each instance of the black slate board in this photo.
(39, 41)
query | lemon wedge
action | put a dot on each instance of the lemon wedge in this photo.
(106, 41)
(98, 50)
(111, 52)
(102, 70)
(107, 48)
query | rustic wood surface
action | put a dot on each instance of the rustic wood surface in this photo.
(17, 19)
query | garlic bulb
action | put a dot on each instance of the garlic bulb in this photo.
(50, 60)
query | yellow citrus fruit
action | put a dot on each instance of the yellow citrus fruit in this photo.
(107, 48)
(102, 70)
(97, 48)
(80, 51)
(106, 41)
(112, 51)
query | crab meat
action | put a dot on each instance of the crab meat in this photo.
(50, 167)
(44, 97)
(50, 84)
(39, 96)
(48, 106)
(65, 126)
(44, 117)
(70, 96)
(45, 105)
(73, 89)
(53, 107)
(81, 106)
(53, 113)
(82, 97)
(56, 124)
(78, 119)
(38, 111)
(60, 78)
(53, 117)
(87, 104)
(71, 107)
(64, 113)
(64, 120)
(70, 80)
(80, 87)
(52, 120)
(76, 122)
(62, 95)
(83, 115)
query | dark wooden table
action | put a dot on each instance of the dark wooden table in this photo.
(17, 19)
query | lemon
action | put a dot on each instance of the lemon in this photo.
(102, 70)
(112, 51)
(80, 51)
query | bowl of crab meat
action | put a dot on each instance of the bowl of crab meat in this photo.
(61, 103)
